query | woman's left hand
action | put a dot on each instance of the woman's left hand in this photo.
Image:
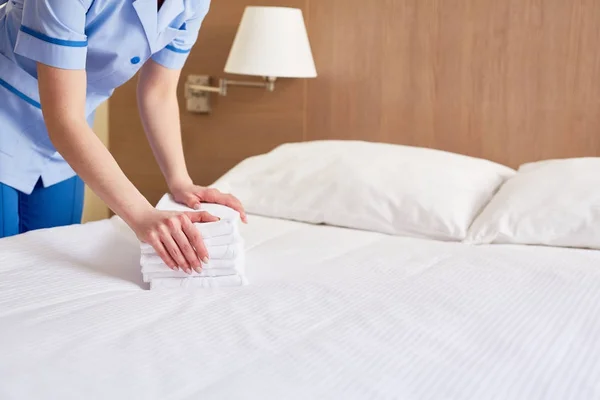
(192, 195)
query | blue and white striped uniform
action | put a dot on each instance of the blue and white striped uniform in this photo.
(109, 39)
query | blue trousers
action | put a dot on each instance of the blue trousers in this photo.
(58, 205)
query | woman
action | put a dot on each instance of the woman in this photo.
(59, 60)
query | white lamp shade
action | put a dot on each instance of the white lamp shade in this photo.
(272, 42)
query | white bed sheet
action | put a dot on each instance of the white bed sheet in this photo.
(330, 314)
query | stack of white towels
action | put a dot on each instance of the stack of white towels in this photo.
(226, 266)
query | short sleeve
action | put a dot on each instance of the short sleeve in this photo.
(53, 33)
(176, 53)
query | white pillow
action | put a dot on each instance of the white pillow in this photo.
(385, 188)
(553, 203)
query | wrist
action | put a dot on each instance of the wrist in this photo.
(135, 214)
(179, 181)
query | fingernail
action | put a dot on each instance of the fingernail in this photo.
(197, 207)
(205, 260)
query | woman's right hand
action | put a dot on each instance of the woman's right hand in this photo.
(174, 237)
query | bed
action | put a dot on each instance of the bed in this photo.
(367, 316)
(331, 313)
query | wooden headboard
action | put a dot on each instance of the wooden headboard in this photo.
(512, 81)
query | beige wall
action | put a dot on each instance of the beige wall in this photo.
(94, 209)
(509, 81)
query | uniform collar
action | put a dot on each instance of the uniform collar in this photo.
(170, 10)
(156, 22)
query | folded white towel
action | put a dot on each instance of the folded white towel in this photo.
(222, 240)
(213, 233)
(153, 263)
(148, 276)
(225, 213)
(225, 252)
(215, 268)
(157, 271)
(197, 282)
(226, 266)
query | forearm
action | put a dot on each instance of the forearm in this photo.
(62, 94)
(86, 154)
(159, 111)
(171, 234)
